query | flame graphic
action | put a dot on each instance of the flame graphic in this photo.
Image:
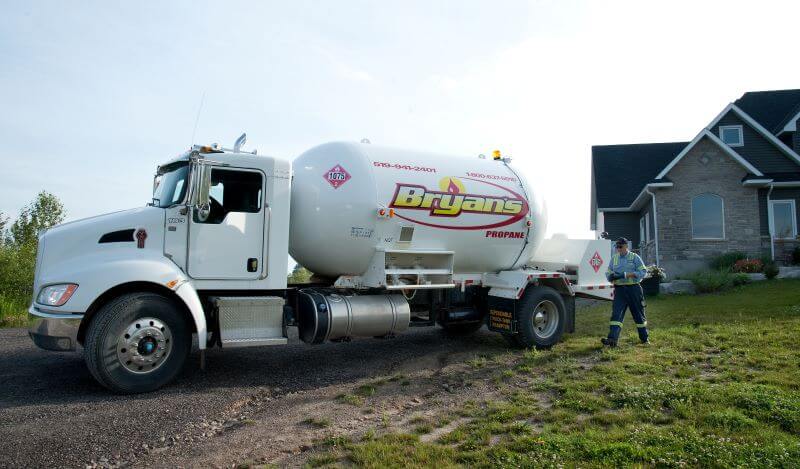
(452, 187)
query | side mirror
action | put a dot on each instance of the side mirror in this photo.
(202, 201)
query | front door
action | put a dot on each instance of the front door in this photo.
(229, 244)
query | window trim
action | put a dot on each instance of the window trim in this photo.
(644, 229)
(771, 214)
(641, 232)
(691, 217)
(262, 199)
(723, 128)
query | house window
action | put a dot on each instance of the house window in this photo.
(731, 135)
(641, 231)
(782, 219)
(644, 229)
(708, 217)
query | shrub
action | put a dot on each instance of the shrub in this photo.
(727, 260)
(796, 255)
(749, 266)
(711, 281)
(740, 279)
(771, 270)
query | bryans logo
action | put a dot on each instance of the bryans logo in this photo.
(452, 200)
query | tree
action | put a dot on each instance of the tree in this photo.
(18, 251)
(299, 275)
(43, 213)
(3, 223)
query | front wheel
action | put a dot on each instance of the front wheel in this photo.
(137, 343)
(541, 314)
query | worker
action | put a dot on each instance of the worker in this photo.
(625, 271)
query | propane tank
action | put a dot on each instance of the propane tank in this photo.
(351, 200)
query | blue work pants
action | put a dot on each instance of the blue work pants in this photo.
(628, 296)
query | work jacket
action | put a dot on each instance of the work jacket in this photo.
(629, 263)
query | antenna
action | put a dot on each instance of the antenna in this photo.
(197, 119)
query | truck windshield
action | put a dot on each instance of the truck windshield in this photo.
(171, 184)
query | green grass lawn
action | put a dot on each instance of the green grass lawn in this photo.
(719, 386)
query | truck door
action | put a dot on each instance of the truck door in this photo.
(229, 244)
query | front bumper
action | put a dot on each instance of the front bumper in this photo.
(53, 331)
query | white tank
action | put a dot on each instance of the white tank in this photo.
(350, 200)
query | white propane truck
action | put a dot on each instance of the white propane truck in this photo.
(395, 239)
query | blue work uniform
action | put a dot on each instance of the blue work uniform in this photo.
(627, 294)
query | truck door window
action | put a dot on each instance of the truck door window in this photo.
(233, 191)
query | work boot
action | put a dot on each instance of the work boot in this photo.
(608, 342)
(645, 342)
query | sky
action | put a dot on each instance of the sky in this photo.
(95, 94)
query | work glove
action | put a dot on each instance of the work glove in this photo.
(615, 276)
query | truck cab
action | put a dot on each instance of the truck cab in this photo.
(218, 222)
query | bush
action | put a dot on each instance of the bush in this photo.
(18, 243)
(726, 261)
(796, 256)
(711, 281)
(749, 266)
(740, 279)
(771, 270)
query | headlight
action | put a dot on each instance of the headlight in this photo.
(56, 295)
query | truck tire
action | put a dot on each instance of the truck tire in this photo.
(541, 315)
(137, 343)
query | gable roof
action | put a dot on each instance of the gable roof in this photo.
(621, 173)
(625, 169)
(758, 128)
(771, 109)
(725, 148)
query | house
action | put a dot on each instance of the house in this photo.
(734, 187)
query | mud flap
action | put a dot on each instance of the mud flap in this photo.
(569, 302)
(502, 315)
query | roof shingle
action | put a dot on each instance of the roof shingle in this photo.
(771, 109)
(621, 171)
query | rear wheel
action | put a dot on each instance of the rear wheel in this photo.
(137, 343)
(541, 314)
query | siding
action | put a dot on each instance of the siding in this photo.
(757, 150)
(623, 224)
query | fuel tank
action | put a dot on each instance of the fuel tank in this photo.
(350, 200)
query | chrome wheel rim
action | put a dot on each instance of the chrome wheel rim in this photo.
(144, 345)
(545, 319)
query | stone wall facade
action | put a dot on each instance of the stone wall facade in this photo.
(705, 169)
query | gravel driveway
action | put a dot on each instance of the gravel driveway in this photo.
(52, 413)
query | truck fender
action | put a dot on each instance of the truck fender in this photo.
(188, 294)
(102, 279)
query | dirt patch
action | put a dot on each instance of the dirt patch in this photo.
(269, 427)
